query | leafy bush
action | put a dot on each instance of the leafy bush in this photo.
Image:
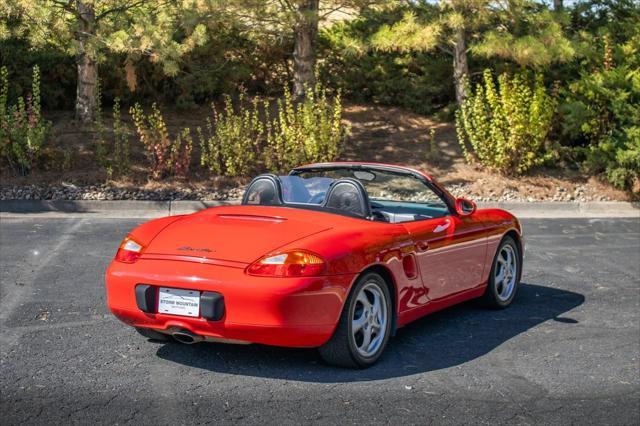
(114, 158)
(232, 141)
(506, 126)
(23, 131)
(181, 153)
(166, 156)
(433, 152)
(240, 142)
(306, 132)
(153, 134)
(623, 168)
(601, 113)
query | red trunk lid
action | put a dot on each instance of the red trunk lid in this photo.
(233, 233)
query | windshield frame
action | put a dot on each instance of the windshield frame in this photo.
(444, 195)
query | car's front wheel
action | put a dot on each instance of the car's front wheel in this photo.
(364, 326)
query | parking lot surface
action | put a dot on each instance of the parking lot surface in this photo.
(566, 351)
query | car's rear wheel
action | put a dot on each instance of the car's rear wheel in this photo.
(153, 335)
(505, 275)
(364, 326)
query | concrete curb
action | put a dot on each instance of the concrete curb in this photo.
(151, 209)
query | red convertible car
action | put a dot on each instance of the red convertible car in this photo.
(336, 256)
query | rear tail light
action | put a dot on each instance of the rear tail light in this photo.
(295, 263)
(129, 251)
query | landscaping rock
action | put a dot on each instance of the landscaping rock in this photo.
(66, 191)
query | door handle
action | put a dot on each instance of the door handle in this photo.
(422, 246)
(441, 227)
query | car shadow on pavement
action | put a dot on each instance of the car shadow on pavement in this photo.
(441, 340)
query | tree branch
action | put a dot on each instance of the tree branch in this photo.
(285, 4)
(328, 12)
(444, 49)
(67, 6)
(119, 9)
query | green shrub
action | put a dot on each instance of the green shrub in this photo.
(181, 153)
(153, 134)
(306, 132)
(232, 141)
(506, 126)
(601, 116)
(433, 152)
(23, 131)
(113, 157)
(623, 168)
(166, 156)
(245, 139)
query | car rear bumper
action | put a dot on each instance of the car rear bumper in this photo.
(295, 312)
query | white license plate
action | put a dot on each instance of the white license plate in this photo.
(175, 301)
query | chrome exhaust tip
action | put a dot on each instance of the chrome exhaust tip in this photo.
(186, 337)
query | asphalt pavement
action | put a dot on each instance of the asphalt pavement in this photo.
(566, 351)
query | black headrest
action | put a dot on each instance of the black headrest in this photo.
(347, 194)
(264, 190)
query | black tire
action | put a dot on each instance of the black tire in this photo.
(491, 298)
(341, 349)
(154, 335)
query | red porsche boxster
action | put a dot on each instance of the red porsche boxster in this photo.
(336, 256)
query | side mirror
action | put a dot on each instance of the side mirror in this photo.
(465, 207)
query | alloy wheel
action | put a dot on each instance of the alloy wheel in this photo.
(369, 322)
(505, 272)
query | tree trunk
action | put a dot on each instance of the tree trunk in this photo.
(557, 5)
(86, 63)
(304, 52)
(460, 66)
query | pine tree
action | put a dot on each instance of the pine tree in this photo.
(298, 20)
(484, 27)
(90, 28)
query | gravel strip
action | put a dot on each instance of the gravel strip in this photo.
(105, 192)
(580, 194)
